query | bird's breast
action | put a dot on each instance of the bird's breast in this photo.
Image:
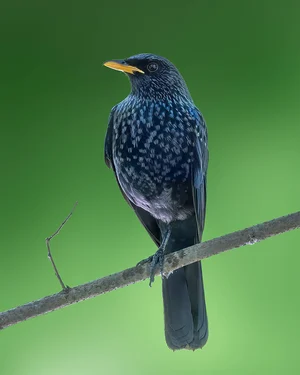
(153, 149)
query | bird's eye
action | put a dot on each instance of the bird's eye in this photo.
(152, 67)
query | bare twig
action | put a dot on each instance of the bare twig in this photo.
(132, 275)
(48, 239)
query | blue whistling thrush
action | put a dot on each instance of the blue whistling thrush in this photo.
(156, 144)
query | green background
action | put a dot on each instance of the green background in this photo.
(241, 62)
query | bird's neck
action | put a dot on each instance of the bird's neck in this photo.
(154, 92)
(159, 97)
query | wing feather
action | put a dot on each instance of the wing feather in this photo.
(199, 172)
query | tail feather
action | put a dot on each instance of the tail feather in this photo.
(177, 310)
(186, 324)
(198, 307)
(185, 315)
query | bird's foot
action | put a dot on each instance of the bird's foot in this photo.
(154, 260)
(157, 259)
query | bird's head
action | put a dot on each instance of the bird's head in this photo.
(152, 76)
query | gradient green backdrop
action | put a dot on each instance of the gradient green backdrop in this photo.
(241, 62)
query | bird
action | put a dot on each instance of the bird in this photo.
(156, 145)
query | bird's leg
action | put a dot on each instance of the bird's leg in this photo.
(158, 257)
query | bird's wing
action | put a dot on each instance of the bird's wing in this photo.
(148, 221)
(108, 155)
(199, 170)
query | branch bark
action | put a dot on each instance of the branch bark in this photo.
(132, 275)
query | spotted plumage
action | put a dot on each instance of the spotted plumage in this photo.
(156, 144)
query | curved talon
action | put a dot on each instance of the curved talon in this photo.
(158, 258)
(144, 261)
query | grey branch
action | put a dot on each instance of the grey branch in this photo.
(48, 240)
(132, 275)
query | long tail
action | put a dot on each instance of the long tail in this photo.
(186, 325)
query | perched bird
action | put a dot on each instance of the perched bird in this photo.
(156, 144)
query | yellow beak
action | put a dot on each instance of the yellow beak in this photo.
(122, 67)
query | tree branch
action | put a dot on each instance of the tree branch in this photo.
(48, 240)
(132, 275)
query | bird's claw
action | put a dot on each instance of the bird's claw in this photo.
(154, 260)
(144, 261)
(157, 259)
